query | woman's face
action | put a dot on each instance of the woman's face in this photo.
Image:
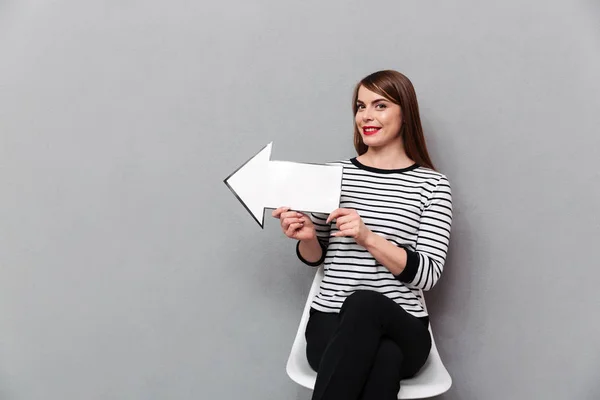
(378, 119)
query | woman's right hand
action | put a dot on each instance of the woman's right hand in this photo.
(295, 225)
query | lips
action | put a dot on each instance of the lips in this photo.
(370, 130)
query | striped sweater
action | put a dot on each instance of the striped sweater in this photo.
(410, 207)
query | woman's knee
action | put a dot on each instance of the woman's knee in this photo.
(389, 357)
(363, 301)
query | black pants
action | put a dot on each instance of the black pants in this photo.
(364, 351)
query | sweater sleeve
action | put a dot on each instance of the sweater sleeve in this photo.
(323, 230)
(425, 264)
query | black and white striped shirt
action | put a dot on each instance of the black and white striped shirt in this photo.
(410, 207)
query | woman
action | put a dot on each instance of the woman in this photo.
(368, 328)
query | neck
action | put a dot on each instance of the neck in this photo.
(387, 157)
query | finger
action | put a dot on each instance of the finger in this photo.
(350, 226)
(333, 215)
(346, 232)
(292, 228)
(288, 221)
(304, 217)
(338, 213)
(277, 212)
(291, 214)
(345, 219)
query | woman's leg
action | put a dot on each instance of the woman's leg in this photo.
(365, 318)
(384, 378)
(383, 382)
(319, 329)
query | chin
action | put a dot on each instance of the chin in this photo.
(371, 141)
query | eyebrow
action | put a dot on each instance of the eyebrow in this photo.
(373, 102)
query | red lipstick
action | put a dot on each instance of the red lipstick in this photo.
(370, 130)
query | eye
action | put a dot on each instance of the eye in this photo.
(360, 106)
(381, 106)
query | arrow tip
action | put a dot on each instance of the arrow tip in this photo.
(247, 183)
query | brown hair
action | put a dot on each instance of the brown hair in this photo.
(398, 89)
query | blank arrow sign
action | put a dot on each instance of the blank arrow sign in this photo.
(261, 183)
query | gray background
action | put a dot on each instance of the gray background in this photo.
(129, 271)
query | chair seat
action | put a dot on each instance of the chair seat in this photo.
(432, 380)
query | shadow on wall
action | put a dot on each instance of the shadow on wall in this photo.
(451, 301)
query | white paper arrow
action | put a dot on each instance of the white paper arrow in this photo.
(261, 183)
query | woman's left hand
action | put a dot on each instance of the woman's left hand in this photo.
(350, 224)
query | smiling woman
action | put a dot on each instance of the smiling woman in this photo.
(368, 327)
(388, 97)
(378, 121)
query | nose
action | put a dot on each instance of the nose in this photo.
(366, 115)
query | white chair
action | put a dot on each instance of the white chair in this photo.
(432, 380)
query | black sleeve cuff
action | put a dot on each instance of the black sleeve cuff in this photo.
(412, 267)
(312, 264)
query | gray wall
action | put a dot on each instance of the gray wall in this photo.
(129, 271)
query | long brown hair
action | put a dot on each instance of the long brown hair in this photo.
(398, 89)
